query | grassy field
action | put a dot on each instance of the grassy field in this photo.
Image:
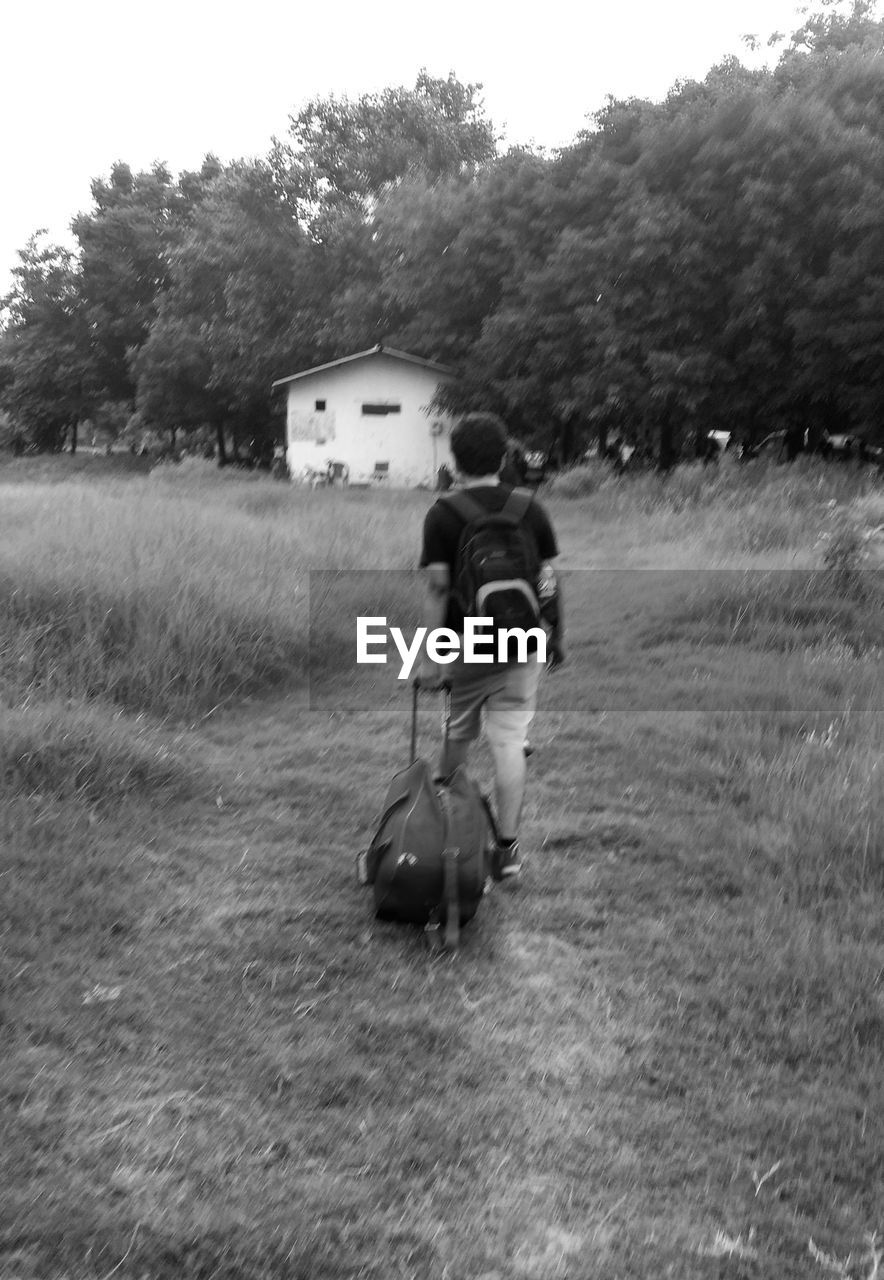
(660, 1055)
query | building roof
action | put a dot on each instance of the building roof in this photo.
(379, 350)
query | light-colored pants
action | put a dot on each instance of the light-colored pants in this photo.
(507, 692)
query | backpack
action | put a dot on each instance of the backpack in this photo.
(497, 563)
(428, 859)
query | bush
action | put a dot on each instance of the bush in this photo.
(579, 482)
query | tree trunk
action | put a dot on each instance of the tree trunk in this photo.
(568, 441)
(667, 455)
(222, 448)
(74, 437)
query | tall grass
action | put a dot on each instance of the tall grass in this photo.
(809, 648)
(178, 591)
(812, 786)
(67, 750)
(724, 512)
(780, 611)
(170, 601)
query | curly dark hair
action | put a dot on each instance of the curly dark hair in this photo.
(478, 444)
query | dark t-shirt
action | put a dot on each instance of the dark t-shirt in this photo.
(443, 527)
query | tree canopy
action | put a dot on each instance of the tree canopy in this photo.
(711, 260)
(46, 369)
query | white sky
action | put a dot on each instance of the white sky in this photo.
(88, 82)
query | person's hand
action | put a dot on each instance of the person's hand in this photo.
(555, 652)
(430, 675)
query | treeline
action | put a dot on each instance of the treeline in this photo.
(714, 261)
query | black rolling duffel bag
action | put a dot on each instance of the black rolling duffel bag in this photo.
(428, 861)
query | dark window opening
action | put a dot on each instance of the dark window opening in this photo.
(380, 409)
(320, 405)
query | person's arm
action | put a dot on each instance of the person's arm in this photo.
(552, 613)
(549, 591)
(437, 588)
(549, 586)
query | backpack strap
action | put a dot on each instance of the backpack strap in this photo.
(466, 506)
(469, 508)
(518, 503)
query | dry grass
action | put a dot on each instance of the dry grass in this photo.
(57, 750)
(660, 1056)
(728, 514)
(169, 601)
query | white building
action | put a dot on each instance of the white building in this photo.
(370, 412)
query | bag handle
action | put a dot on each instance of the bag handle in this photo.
(450, 899)
(449, 903)
(415, 694)
(489, 814)
(452, 902)
(387, 815)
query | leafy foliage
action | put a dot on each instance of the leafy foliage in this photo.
(229, 315)
(714, 260)
(124, 246)
(45, 355)
(343, 153)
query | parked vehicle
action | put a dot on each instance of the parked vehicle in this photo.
(771, 446)
(717, 442)
(536, 463)
(871, 453)
(840, 445)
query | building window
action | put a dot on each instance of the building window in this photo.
(379, 410)
(320, 406)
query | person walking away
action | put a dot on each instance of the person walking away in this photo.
(503, 694)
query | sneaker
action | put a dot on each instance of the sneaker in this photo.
(506, 863)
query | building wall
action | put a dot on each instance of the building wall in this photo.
(341, 432)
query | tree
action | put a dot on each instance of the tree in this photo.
(343, 158)
(343, 153)
(833, 32)
(238, 311)
(173, 368)
(125, 242)
(46, 372)
(451, 250)
(714, 260)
